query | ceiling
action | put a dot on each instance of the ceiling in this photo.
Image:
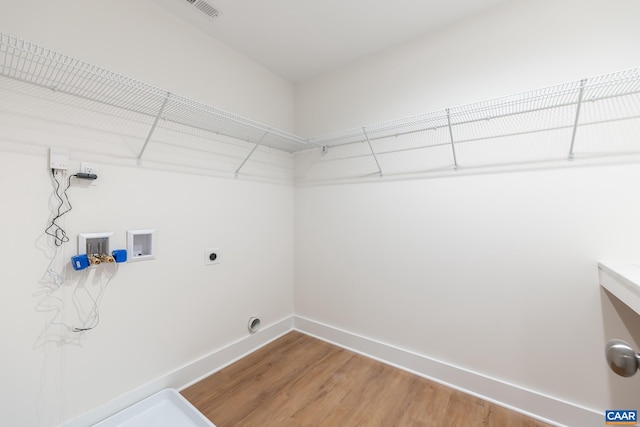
(300, 39)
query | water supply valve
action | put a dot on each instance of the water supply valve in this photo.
(107, 259)
(94, 260)
(80, 262)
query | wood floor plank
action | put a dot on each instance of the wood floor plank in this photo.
(299, 381)
(426, 403)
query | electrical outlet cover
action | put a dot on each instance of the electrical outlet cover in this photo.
(212, 256)
(88, 168)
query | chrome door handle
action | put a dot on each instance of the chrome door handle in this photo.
(621, 358)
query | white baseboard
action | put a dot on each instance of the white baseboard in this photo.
(188, 374)
(528, 402)
(533, 404)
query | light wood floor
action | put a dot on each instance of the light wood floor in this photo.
(301, 381)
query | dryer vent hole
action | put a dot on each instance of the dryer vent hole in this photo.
(254, 324)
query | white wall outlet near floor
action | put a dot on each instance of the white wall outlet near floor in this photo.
(211, 256)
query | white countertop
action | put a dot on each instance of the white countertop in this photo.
(622, 280)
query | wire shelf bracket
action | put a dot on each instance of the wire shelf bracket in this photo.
(583, 83)
(153, 128)
(364, 131)
(453, 147)
(251, 153)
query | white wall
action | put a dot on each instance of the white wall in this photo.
(522, 46)
(495, 272)
(155, 316)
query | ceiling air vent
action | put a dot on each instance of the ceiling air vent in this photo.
(205, 7)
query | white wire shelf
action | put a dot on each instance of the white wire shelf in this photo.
(561, 109)
(30, 63)
(531, 126)
(596, 89)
